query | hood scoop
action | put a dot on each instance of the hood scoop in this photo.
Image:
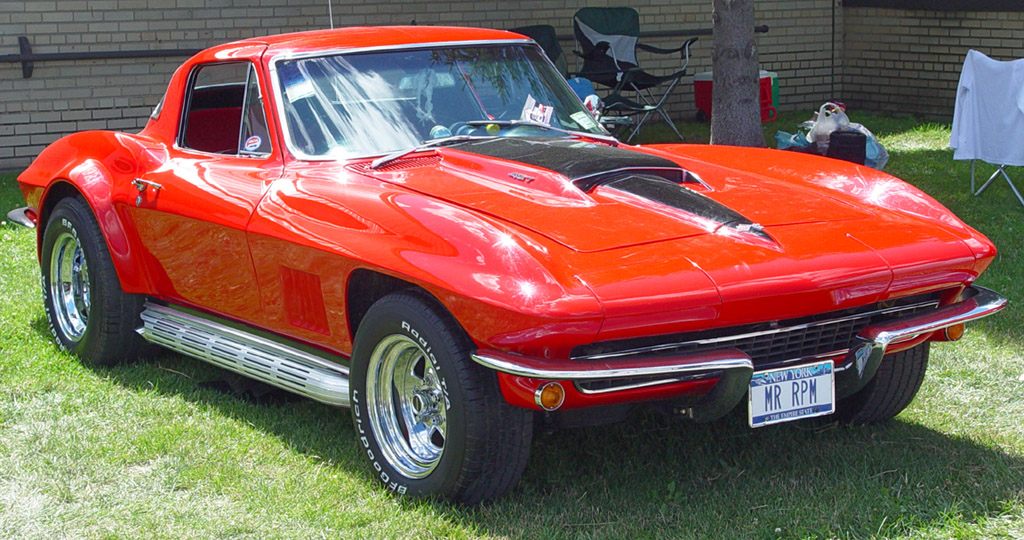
(586, 196)
(669, 192)
(673, 175)
(591, 165)
(577, 160)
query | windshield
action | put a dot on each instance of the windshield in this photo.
(365, 104)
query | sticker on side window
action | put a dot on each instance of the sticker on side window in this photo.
(536, 112)
(252, 144)
(584, 119)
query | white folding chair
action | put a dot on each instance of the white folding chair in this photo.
(988, 119)
(1001, 169)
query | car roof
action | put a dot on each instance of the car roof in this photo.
(358, 37)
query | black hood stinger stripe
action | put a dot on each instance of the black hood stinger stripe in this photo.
(571, 158)
(659, 190)
(588, 165)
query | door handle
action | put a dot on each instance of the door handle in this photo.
(142, 185)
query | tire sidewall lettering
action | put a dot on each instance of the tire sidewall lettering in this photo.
(385, 478)
(429, 353)
(69, 226)
(46, 281)
(44, 286)
(388, 476)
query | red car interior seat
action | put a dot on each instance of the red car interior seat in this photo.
(214, 130)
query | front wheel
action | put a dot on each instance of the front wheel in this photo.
(893, 387)
(430, 420)
(88, 313)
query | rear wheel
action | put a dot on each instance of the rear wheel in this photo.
(88, 313)
(890, 391)
(430, 420)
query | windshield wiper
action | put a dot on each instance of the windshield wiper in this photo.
(585, 134)
(384, 160)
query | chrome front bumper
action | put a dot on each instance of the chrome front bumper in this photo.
(734, 368)
(871, 343)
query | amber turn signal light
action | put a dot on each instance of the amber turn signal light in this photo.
(550, 396)
(955, 332)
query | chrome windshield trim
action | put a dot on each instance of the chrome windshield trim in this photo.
(732, 337)
(573, 370)
(279, 94)
(602, 137)
(399, 47)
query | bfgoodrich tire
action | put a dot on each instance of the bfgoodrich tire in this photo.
(88, 313)
(893, 387)
(430, 421)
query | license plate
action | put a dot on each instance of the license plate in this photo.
(784, 394)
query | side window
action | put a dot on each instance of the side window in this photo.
(254, 138)
(224, 113)
(159, 107)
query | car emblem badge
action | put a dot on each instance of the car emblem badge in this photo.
(750, 227)
(521, 177)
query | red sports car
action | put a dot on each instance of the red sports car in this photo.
(426, 226)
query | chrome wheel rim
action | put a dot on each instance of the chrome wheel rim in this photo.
(406, 406)
(69, 286)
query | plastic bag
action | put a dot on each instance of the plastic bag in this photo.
(786, 141)
(875, 155)
(581, 87)
(832, 117)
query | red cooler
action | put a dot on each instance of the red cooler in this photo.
(702, 91)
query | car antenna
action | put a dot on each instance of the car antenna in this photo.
(330, 14)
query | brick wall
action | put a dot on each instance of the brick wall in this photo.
(66, 96)
(909, 61)
(800, 48)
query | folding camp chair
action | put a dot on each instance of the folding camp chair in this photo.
(988, 118)
(544, 35)
(607, 39)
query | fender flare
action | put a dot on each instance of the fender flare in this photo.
(92, 180)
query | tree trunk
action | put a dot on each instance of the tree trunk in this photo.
(736, 103)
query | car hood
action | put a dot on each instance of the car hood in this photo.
(593, 197)
(780, 241)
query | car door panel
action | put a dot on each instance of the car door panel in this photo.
(194, 204)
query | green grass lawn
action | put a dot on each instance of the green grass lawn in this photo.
(146, 451)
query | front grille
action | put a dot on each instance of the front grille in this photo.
(767, 344)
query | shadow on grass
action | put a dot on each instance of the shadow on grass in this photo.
(658, 477)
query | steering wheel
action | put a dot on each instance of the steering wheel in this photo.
(462, 128)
